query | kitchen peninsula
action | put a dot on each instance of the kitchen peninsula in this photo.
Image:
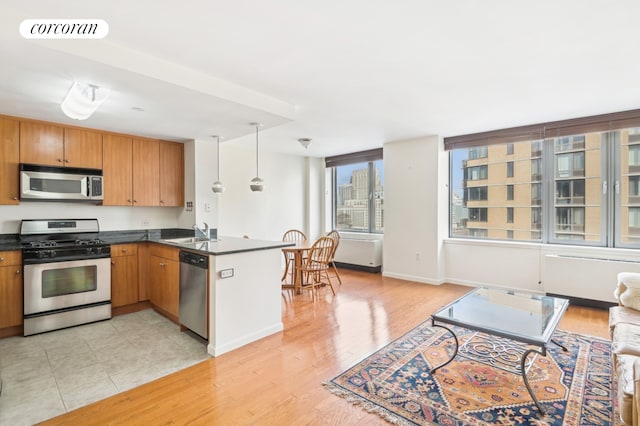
(244, 290)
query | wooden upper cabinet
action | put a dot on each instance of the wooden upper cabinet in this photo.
(171, 173)
(146, 172)
(41, 144)
(82, 148)
(52, 145)
(9, 161)
(117, 170)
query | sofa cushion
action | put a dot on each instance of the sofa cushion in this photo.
(621, 314)
(626, 339)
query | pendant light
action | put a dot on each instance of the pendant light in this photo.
(256, 184)
(217, 186)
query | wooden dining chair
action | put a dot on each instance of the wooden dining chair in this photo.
(336, 238)
(316, 265)
(291, 236)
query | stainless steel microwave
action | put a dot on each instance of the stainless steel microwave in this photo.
(44, 183)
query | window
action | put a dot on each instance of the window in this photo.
(536, 194)
(358, 191)
(478, 232)
(478, 152)
(478, 214)
(478, 172)
(536, 169)
(509, 149)
(569, 165)
(509, 192)
(478, 193)
(582, 175)
(570, 191)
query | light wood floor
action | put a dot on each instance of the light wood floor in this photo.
(278, 380)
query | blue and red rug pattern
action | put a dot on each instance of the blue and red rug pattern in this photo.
(574, 387)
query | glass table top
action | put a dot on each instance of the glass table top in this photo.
(527, 317)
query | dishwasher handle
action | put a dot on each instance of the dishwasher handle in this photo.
(194, 259)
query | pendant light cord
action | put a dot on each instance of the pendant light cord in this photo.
(218, 154)
(257, 172)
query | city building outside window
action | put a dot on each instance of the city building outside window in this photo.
(593, 197)
(358, 193)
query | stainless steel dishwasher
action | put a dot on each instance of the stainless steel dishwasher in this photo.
(193, 292)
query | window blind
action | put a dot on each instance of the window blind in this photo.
(574, 126)
(353, 158)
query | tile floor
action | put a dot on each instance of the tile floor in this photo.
(48, 374)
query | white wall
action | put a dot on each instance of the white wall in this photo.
(204, 173)
(315, 197)
(415, 198)
(261, 215)
(110, 217)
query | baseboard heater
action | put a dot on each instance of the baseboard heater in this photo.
(360, 254)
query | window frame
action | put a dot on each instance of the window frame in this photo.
(370, 158)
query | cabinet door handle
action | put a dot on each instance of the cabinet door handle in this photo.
(135, 201)
(124, 250)
(59, 160)
(18, 272)
(66, 161)
(1, 259)
(162, 264)
(15, 198)
(113, 263)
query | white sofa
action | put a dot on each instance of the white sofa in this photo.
(624, 326)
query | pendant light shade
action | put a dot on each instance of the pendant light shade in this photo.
(217, 186)
(256, 184)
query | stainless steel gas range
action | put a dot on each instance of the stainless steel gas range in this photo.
(67, 274)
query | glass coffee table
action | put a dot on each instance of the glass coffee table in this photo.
(519, 316)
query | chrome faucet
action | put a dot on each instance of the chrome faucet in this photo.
(199, 232)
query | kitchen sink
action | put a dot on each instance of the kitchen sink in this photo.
(188, 240)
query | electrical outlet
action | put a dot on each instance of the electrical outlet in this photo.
(207, 207)
(226, 273)
(146, 223)
(417, 255)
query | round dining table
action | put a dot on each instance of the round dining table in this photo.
(298, 250)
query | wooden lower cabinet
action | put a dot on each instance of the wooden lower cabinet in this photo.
(146, 271)
(124, 274)
(10, 289)
(164, 283)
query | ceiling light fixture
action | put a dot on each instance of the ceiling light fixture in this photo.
(83, 99)
(256, 184)
(217, 186)
(305, 142)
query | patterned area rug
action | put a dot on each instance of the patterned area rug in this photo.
(574, 387)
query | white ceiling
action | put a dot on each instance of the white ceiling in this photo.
(351, 75)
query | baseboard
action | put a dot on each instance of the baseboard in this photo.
(372, 269)
(589, 303)
(127, 309)
(11, 331)
(415, 278)
(217, 350)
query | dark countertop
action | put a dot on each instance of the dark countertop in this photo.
(231, 245)
(221, 246)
